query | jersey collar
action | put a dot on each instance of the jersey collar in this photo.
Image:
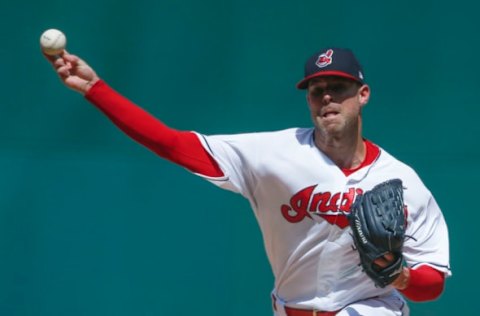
(372, 154)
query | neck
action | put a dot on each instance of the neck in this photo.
(346, 151)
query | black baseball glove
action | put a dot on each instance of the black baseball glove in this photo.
(378, 223)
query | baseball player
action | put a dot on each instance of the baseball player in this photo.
(301, 183)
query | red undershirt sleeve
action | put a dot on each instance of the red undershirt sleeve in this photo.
(181, 147)
(426, 284)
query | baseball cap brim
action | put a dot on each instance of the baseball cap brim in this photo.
(302, 85)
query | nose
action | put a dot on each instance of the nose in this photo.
(326, 99)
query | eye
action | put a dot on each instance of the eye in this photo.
(317, 92)
(337, 88)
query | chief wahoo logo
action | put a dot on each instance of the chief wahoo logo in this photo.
(325, 59)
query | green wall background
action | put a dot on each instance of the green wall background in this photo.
(93, 224)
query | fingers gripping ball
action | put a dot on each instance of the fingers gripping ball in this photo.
(378, 223)
(53, 42)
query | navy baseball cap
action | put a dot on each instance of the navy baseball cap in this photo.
(332, 62)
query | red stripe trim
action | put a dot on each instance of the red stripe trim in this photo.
(304, 83)
(371, 155)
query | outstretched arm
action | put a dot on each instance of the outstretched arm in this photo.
(181, 147)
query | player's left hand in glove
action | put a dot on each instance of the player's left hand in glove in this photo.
(378, 224)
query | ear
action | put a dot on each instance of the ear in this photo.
(364, 94)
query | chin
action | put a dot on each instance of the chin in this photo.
(329, 130)
(331, 125)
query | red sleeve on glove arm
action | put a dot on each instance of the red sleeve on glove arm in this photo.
(180, 147)
(426, 284)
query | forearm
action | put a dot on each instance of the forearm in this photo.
(183, 148)
(424, 284)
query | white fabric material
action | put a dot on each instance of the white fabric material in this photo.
(392, 304)
(300, 197)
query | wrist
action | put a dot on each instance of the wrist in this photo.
(90, 84)
(403, 280)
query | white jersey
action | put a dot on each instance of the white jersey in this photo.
(300, 197)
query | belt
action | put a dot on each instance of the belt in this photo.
(306, 312)
(301, 312)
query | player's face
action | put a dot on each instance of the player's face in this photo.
(335, 103)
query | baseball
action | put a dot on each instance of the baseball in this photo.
(53, 42)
